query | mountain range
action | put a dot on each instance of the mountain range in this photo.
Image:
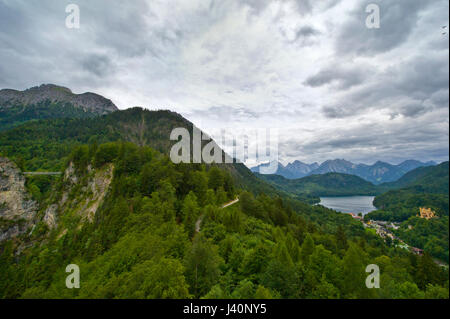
(379, 172)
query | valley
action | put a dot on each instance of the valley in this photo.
(399, 201)
(140, 226)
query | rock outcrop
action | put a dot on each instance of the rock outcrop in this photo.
(17, 209)
(85, 200)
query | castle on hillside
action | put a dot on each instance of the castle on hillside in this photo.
(426, 213)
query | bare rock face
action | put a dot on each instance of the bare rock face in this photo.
(89, 102)
(17, 209)
(88, 199)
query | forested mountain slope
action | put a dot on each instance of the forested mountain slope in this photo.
(137, 239)
(432, 179)
(424, 187)
(46, 144)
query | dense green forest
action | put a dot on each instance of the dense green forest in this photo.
(432, 179)
(142, 242)
(422, 187)
(16, 115)
(45, 144)
(430, 235)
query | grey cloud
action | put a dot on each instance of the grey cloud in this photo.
(123, 29)
(225, 113)
(304, 6)
(99, 65)
(424, 79)
(440, 98)
(336, 112)
(423, 76)
(311, 6)
(306, 32)
(412, 110)
(343, 77)
(257, 6)
(392, 144)
(397, 21)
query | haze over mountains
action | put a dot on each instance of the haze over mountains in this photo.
(379, 172)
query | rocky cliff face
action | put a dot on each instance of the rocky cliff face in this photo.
(81, 195)
(89, 102)
(17, 209)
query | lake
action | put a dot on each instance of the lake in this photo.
(349, 204)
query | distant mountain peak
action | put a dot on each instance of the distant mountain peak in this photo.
(378, 163)
(89, 102)
(49, 86)
(296, 169)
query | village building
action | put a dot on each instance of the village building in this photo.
(356, 216)
(417, 251)
(426, 213)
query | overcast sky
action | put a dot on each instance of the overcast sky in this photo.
(333, 87)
